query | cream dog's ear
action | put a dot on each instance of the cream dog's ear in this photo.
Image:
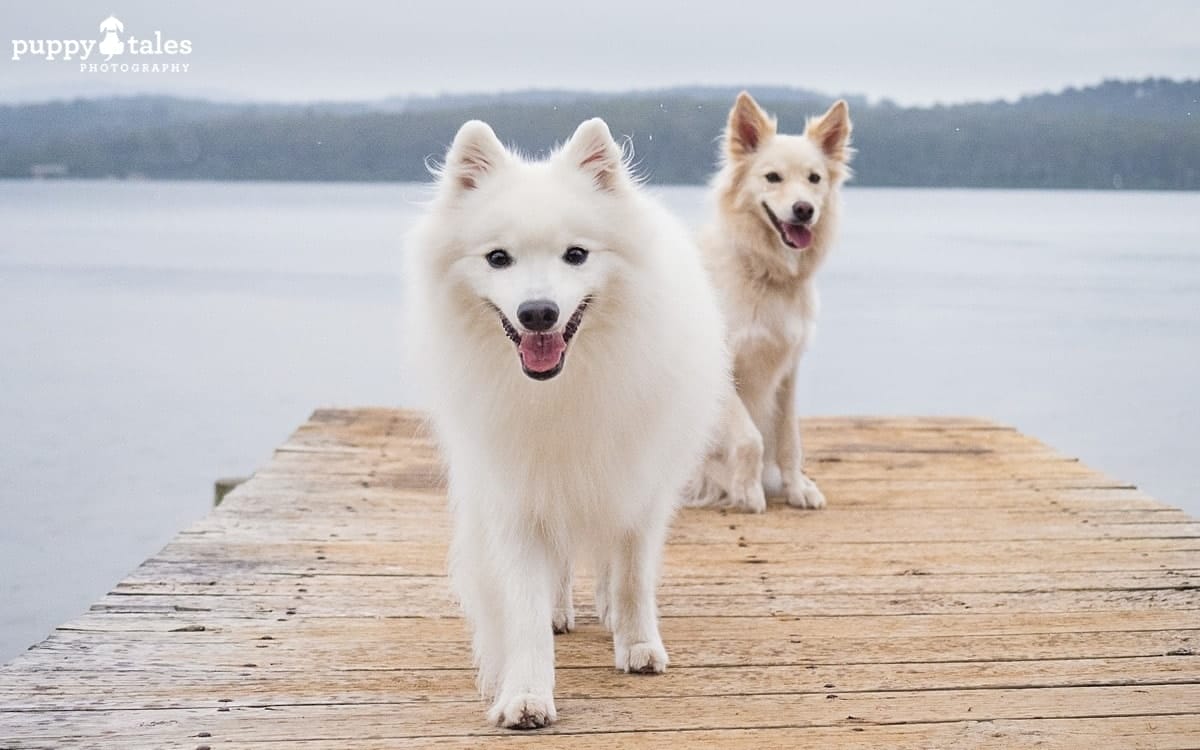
(831, 131)
(593, 150)
(475, 154)
(748, 127)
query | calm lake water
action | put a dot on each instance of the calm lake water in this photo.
(156, 336)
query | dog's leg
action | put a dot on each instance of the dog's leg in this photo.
(700, 490)
(474, 582)
(744, 447)
(604, 591)
(564, 607)
(706, 488)
(798, 489)
(637, 645)
(765, 419)
(525, 699)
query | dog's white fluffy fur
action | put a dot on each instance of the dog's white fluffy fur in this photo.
(769, 301)
(587, 464)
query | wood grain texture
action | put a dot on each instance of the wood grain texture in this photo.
(967, 587)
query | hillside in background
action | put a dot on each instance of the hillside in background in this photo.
(1133, 135)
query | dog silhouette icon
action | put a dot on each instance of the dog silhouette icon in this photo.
(111, 44)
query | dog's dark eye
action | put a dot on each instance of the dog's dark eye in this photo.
(575, 256)
(814, 178)
(774, 177)
(499, 259)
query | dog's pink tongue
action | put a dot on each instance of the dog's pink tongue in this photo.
(541, 352)
(798, 235)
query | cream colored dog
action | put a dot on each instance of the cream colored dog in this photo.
(777, 209)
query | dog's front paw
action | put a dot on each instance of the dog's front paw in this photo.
(563, 620)
(701, 492)
(642, 658)
(802, 492)
(748, 498)
(523, 711)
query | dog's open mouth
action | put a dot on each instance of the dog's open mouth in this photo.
(543, 353)
(798, 236)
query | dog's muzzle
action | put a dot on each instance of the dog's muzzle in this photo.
(797, 234)
(543, 353)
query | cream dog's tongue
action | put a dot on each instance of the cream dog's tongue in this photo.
(800, 236)
(542, 351)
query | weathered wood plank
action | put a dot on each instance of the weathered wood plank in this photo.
(812, 556)
(849, 524)
(218, 580)
(191, 688)
(435, 601)
(616, 715)
(393, 649)
(1133, 733)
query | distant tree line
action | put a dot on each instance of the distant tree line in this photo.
(1132, 135)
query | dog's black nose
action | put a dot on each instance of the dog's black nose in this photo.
(538, 314)
(802, 210)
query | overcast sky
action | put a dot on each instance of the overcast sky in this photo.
(919, 51)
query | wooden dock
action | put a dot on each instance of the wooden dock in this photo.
(967, 587)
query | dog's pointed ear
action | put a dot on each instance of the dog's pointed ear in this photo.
(475, 153)
(593, 150)
(831, 131)
(748, 127)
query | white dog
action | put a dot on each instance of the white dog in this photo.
(777, 210)
(574, 354)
